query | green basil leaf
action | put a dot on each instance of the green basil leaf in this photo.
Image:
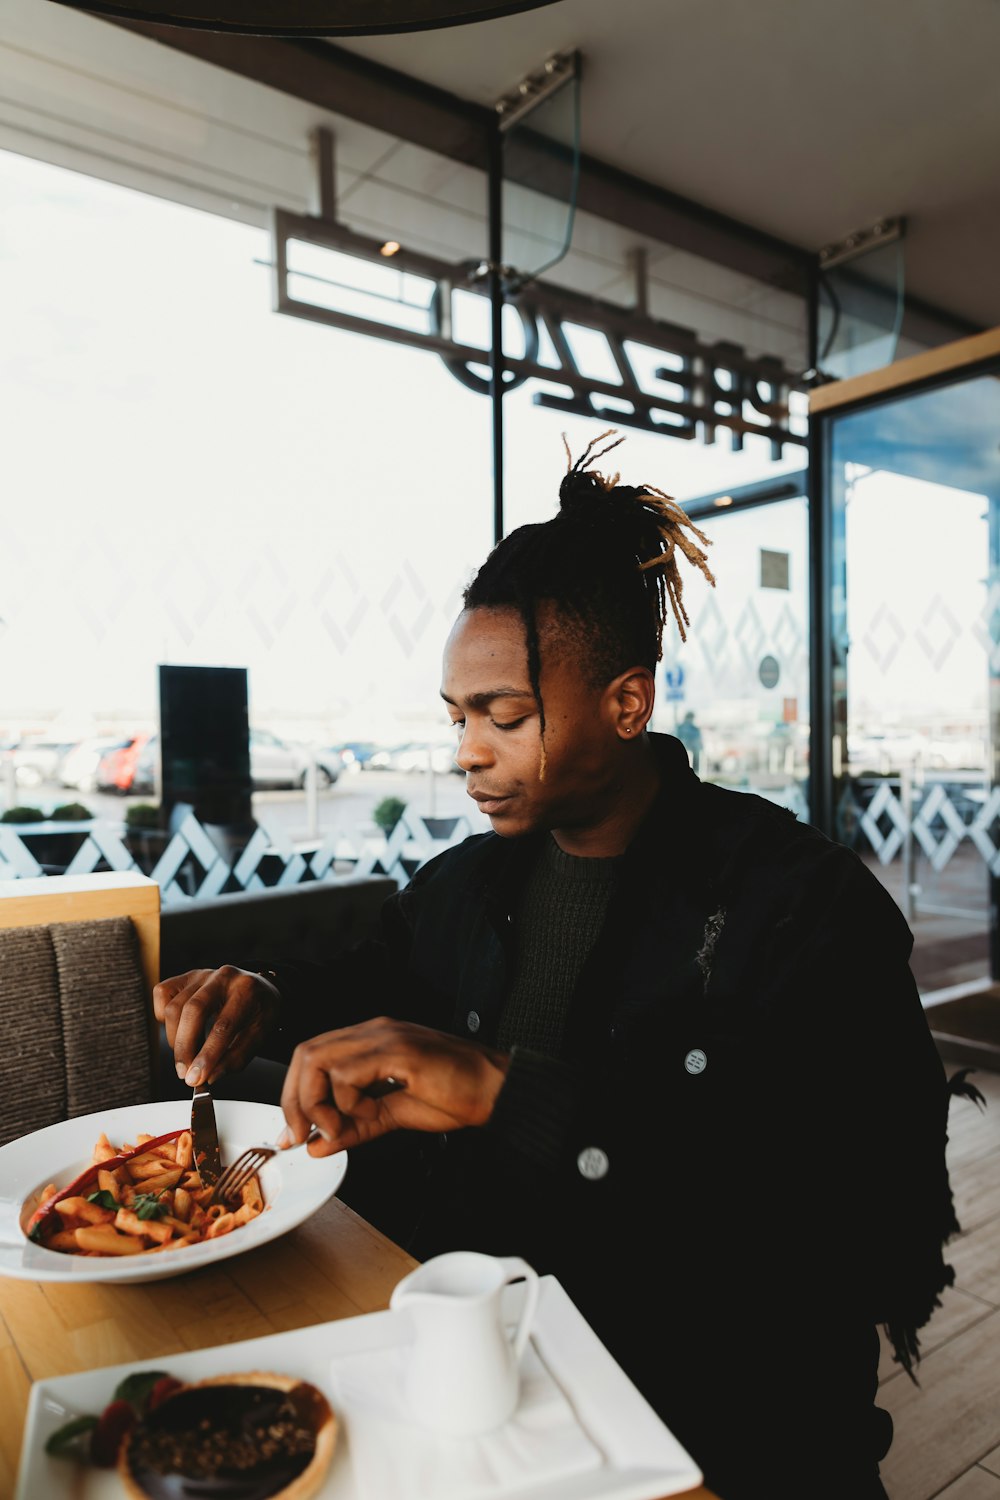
(73, 1440)
(103, 1199)
(135, 1388)
(148, 1206)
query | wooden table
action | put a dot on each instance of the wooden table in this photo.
(334, 1266)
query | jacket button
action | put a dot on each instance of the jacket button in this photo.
(696, 1061)
(593, 1163)
(472, 1021)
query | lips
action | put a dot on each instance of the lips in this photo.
(489, 804)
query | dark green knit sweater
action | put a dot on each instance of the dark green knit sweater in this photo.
(559, 916)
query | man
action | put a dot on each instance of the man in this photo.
(689, 735)
(657, 1037)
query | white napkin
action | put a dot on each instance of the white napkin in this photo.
(390, 1455)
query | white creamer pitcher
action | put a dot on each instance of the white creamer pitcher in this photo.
(463, 1367)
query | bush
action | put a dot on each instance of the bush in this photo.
(142, 815)
(71, 812)
(388, 813)
(23, 815)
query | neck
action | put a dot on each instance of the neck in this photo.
(631, 795)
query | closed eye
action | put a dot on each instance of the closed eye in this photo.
(510, 724)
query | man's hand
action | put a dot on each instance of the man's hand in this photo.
(447, 1083)
(226, 1013)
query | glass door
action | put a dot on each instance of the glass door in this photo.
(912, 481)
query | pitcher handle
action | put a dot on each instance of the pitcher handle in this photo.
(514, 1268)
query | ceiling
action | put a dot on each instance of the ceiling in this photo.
(803, 119)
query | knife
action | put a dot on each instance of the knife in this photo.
(205, 1135)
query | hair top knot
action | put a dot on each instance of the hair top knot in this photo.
(653, 520)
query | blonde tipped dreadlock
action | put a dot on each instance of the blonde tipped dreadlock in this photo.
(672, 520)
(607, 562)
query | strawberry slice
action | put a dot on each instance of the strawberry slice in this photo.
(115, 1422)
(164, 1387)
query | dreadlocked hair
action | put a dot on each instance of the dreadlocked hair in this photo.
(608, 564)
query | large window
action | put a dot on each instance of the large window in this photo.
(189, 478)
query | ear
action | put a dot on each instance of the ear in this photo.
(629, 698)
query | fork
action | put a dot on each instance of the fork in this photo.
(239, 1172)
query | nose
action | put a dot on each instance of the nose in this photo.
(473, 750)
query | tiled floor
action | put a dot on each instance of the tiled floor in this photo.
(947, 1432)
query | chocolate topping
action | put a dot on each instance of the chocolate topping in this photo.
(240, 1442)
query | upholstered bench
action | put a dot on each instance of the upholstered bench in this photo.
(77, 957)
(250, 929)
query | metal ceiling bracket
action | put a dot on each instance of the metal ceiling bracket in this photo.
(324, 196)
(638, 264)
(883, 232)
(536, 87)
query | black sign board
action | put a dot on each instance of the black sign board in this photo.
(205, 743)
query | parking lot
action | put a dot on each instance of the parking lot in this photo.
(342, 811)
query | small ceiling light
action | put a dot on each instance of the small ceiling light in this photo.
(724, 500)
(389, 248)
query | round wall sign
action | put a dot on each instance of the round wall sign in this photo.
(769, 671)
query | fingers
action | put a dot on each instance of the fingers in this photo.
(297, 1124)
(170, 995)
(332, 1081)
(224, 1010)
(211, 1017)
(309, 1102)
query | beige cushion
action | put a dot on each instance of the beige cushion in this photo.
(74, 1005)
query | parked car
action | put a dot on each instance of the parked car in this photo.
(274, 764)
(145, 768)
(37, 758)
(79, 765)
(116, 766)
(354, 752)
(415, 755)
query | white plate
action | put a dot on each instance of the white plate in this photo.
(294, 1185)
(642, 1458)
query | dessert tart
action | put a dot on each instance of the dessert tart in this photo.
(251, 1436)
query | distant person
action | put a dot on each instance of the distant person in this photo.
(658, 1037)
(689, 735)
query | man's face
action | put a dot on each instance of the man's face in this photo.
(487, 689)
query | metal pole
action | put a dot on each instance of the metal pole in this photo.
(909, 866)
(993, 731)
(824, 741)
(312, 795)
(495, 211)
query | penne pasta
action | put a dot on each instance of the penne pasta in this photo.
(105, 1239)
(109, 1182)
(153, 1201)
(81, 1208)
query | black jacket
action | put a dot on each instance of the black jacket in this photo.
(745, 1143)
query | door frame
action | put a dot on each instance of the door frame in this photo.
(946, 365)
